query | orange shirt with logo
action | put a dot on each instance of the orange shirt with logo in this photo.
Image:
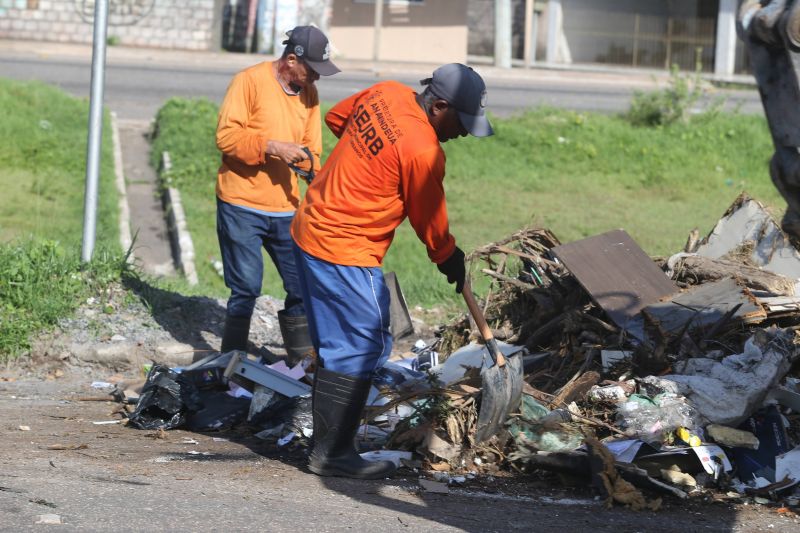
(387, 165)
(255, 110)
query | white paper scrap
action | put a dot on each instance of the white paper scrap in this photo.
(296, 372)
(706, 453)
(788, 465)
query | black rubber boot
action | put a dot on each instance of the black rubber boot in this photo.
(337, 404)
(296, 338)
(237, 330)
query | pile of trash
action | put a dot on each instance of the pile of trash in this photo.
(676, 376)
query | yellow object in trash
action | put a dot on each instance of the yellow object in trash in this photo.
(688, 437)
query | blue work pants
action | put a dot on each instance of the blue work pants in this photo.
(242, 234)
(348, 314)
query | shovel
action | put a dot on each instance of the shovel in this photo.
(501, 383)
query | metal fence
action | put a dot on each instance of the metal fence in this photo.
(638, 40)
(480, 21)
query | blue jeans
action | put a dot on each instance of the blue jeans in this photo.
(241, 235)
(348, 315)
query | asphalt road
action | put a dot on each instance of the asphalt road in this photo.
(56, 461)
(136, 89)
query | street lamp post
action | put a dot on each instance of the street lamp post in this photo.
(95, 129)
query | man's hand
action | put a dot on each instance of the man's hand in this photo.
(453, 267)
(289, 153)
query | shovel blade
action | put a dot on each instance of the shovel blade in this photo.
(501, 393)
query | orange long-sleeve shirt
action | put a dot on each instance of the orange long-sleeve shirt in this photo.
(255, 110)
(387, 165)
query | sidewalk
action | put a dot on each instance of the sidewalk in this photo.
(600, 75)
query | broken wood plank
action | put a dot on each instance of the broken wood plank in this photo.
(698, 270)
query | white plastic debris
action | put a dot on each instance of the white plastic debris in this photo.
(49, 519)
(788, 465)
(727, 392)
(387, 455)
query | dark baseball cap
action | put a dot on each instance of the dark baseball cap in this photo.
(311, 45)
(462, 88)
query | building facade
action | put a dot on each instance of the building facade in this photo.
(184, 24)
(654, 34)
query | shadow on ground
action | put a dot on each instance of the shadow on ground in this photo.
(197, 321)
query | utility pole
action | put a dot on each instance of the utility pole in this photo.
(376, 39)
(502, 33)
(95, 129)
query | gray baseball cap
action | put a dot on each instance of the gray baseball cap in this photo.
(310, 44)
(462, 88)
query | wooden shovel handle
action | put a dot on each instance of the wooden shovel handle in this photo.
(483, 327)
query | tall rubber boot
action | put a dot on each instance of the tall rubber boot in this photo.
(337, 404)
(237, 330)
(296, 338)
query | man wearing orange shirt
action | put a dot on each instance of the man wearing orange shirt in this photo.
(270, 112)
(387, 165)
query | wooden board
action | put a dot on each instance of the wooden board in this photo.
(704, 305)
(617, 273)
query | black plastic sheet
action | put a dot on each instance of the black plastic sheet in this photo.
(166, 400)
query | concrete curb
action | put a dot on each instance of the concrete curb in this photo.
(179, 236)
(125, 239)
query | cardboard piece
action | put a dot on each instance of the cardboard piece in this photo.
(767, 425)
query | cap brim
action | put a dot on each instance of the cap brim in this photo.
(476, 125)
(324, 68)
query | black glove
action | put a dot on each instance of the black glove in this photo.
(453, 267)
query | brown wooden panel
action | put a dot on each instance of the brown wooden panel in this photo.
(617, 273)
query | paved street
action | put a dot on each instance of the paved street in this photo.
(139, 81)
(110, 477)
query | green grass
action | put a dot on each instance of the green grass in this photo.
(577, 174)
(42, 173)
(43, 166)
(41, 282)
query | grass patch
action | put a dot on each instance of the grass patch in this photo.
(42, 174)
(41, 282)
(43, 166)
(577, 173)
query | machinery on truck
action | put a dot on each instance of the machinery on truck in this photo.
(771, 32)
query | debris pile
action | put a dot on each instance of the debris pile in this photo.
(644, 377)
(684, 369)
